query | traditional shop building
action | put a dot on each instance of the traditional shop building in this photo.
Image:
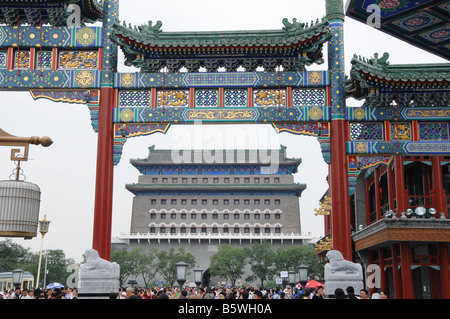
(400, 204)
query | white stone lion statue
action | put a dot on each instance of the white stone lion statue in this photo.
(95, 263)
(339, 264)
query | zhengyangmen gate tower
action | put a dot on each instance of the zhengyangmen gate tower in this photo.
(389, 173)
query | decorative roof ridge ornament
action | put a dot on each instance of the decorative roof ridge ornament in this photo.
(294, 26)
(324, 207)
(381, 63)
(294, 46)
(414, 85)
(290, 28)
(54, 12)
(297, 26)
(150, 28)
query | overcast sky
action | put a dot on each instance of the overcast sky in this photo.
(65, 171)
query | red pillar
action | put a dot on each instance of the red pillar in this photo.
(340, 201)
(105, 147)
(445, 271)
(396, 273)
(391, 187)
(104, 179)
(406, 270)
(383, 278)
(439, 196)
(377, 184)
(401, 193)
(435, 282)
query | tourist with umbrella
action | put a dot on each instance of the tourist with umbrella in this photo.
(55, 285)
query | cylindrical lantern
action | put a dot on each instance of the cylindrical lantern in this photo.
(19, 209)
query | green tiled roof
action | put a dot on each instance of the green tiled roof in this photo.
(297, 40)
(379, 82)
(155, 38)
(379, 68)
(34, 12)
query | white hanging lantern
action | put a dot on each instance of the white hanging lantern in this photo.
(19, 209)
(20, 200)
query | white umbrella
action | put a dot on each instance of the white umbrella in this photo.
(55, 285)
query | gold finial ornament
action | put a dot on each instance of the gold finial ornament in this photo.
(7, 139)
(325, 244)
(325, 207)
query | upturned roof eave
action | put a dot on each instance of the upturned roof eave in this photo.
(401, 73)
(221, 38)
(91, 10)
(145, 162)
(236, 187)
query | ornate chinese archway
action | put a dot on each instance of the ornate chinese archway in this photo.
(79, 65)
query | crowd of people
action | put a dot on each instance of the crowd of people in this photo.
(38, 293)
(197, 293)
(243, 293)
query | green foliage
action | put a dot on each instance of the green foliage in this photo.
(288, 259)
(13, 256)
(56, 266)
(128, 261)
(228, 262)
(167, 261)
(146, 266)
(262, 261)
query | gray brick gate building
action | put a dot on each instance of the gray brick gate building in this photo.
(201, 199)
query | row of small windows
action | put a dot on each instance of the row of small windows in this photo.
(216, 201)
(216, 180)
(214, 230)
(214, 216)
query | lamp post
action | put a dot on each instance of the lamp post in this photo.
(43, 229)
(291, 278)
(17, 277)
(198, 276)
(181, 273)
(302, 274)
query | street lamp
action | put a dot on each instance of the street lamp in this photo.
(181, 273)
(17, 276)
(303, 274)
(291, 278)
(198, 273)
(43, 229)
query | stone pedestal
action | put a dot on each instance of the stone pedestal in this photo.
(341, 273)
(98, 278)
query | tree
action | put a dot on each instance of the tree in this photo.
(128, 261)
(261, 258)
(56, 266)
(288, 259)
(12, 255)
(15, 256)
(167, 261)
(146, 266)
(228, 262)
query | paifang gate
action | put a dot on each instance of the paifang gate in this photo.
(224, 77)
